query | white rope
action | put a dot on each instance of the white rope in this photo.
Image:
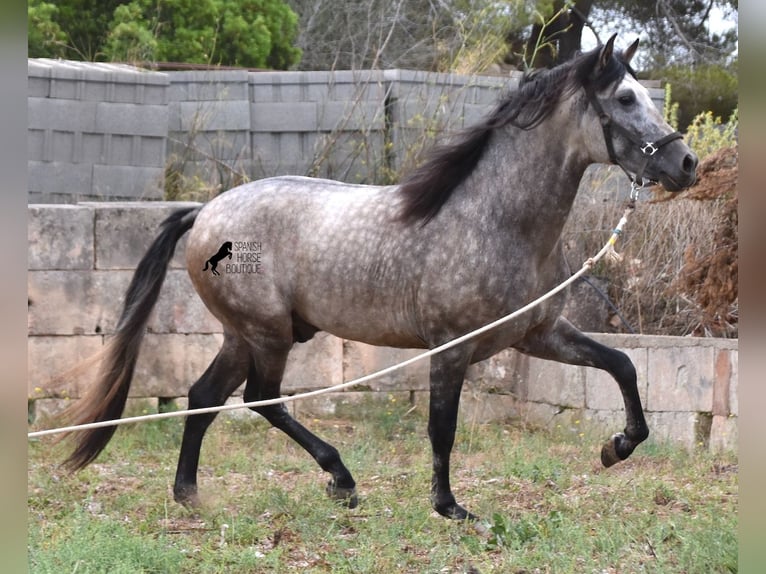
(607, 248)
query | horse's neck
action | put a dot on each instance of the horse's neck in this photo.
(529, 180)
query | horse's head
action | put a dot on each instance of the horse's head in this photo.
(627, 129)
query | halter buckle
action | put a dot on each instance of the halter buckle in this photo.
(649, 149)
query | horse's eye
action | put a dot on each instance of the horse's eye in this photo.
(627, 99)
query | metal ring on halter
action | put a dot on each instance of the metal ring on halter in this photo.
(649, 148)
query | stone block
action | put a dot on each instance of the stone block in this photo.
(556, 383)
(315, 364)
(38, 86)
(180, 310)
(283, 117)
(539, 414)
(679, 428)
(49, 177)
(169, 364)
(724, 434)
(121, 149)
(61, 115)
(127, 182)
(721, 382)
(360, 360)
(478, 408)
(604, 422)
(49, 358)
(219, 85)
(227, 147)
(60, 237)
(210, 116)
(503, 373)
(734, 384)
(603, 393)
(36, 145)
(151, 152)
(125, 230)
(681, 379)
(75, 302)
(132, 119)
(351, 116)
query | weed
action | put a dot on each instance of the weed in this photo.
(552, 508)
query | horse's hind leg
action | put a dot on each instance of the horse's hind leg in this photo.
(222, 377)
(263, 382)
(566, 344)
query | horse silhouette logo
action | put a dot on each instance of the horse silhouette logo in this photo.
(224, 251)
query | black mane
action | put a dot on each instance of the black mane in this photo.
(427, 188)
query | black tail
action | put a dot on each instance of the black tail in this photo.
(106, 399)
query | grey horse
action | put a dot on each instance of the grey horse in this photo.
(468, 237)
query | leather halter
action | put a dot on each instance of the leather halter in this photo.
(648, 148)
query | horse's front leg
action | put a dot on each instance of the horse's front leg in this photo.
(564, 343)
(447, 372)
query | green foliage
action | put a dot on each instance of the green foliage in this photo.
(249, 33)
(696, 89)
(707, 133)
(670, 108)
(45, 38)
(129, 39)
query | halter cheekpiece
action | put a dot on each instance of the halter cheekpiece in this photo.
(648, 148)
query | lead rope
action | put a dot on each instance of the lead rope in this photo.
(607, 249)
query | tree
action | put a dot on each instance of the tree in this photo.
(354, 34)
(44, 35)
(248, 33)
(675, 32)
(555, 35)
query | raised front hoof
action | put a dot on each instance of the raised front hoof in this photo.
(344, 496)
(615, 450)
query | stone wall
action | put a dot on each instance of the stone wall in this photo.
(81, 259)
(109, 132)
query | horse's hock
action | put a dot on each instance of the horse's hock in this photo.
(81, 259)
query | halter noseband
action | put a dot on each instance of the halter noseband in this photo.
(647, 148)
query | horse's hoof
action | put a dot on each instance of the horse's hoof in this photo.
(609, 455)
(456, 512)
(345, 496)
(188, 499)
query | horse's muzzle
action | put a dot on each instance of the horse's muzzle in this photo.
(683, 177)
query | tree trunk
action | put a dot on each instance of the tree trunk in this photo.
(560, 38)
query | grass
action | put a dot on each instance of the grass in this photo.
(546, 502)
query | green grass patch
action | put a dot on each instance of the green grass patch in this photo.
(546, 503)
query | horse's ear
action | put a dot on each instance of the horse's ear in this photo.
(628, 54)
(606, 54)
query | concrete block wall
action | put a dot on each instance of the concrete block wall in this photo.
(209, 117)
(82, 257)
(424, 103)
(324, 124)
(96, 131)
(107, 131)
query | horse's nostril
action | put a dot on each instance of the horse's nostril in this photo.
(690, 163)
